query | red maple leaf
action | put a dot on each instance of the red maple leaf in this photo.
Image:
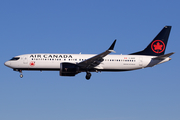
(32, 63)
(158, 46)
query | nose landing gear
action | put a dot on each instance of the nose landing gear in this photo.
(21, 75)
(20, 71)
(88, 75)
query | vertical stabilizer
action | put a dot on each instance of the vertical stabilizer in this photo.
(158, 45)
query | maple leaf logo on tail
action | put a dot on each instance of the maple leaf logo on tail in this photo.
(158, 46)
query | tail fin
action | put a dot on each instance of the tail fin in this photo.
(158, 46)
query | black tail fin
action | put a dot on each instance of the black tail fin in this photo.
(158, 45)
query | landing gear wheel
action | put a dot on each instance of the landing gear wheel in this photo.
(88, 75)
(21, 75)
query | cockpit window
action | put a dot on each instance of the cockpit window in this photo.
(15, 58)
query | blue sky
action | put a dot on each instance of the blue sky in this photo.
(68, 26)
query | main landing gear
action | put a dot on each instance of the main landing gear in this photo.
(88, 75)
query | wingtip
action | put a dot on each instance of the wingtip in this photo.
(112, 46)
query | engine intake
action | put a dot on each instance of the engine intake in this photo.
(68, 69)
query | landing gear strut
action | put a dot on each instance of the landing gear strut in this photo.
(21, 75)
(88, 75)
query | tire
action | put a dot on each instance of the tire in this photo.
(21, 75)
(88, 76)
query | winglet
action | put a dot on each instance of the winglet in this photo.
(112, 46)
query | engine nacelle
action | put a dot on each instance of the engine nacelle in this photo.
(68, 69)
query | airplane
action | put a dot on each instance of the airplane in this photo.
(72, 64)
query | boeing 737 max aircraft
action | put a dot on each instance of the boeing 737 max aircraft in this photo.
(72, 64)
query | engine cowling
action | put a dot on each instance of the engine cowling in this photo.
(68, 69)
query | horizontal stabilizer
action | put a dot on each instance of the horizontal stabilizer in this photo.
(163, 56)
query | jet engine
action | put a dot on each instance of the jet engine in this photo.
(68, 69)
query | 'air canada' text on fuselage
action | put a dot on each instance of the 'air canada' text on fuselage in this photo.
(51, 56)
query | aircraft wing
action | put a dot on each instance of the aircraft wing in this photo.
(97, 59)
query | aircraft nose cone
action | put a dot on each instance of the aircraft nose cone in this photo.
(7, 63)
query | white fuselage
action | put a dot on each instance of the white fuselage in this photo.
(72, 64)
(110, 62)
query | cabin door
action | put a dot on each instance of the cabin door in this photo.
(25, 60)
(140, 61)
